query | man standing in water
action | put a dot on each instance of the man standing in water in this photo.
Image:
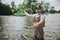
(38, 26)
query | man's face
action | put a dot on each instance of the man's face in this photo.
(38, 10)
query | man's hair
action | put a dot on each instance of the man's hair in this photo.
(38, 7)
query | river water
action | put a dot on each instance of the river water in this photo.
(19, 28)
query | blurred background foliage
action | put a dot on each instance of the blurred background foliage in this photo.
(28, 7)
(5, 9)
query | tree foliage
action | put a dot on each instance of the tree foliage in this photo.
(31, 4)
(5, 9)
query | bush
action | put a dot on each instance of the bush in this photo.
(53, 11)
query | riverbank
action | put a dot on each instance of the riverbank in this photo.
(22, 14)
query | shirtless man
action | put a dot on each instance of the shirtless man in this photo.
(38, 26)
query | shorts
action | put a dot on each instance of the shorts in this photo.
(39, 34)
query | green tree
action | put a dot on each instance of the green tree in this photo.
(0, 1)
(52, 10)
(47, 5)
(13, 4)
(58, 11)
(5, 9)
(29, 6)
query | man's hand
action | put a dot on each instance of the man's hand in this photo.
(37, 25)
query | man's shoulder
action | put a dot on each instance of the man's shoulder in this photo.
(43, 16)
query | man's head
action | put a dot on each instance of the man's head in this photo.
(38, 9)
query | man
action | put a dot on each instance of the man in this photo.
(38, 26)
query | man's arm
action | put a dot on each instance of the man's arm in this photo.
(29, 15)
(37, 25)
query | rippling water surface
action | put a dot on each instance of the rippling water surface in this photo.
(19, 28)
